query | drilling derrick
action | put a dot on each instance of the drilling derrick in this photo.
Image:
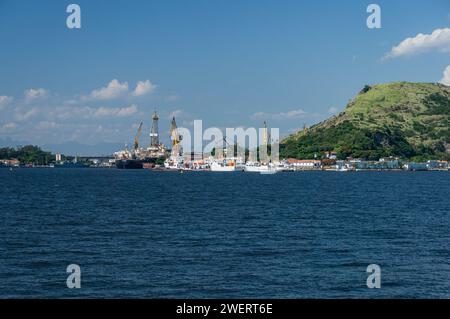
(154, 135)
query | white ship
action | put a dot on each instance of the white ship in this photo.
(283, 167)
(255, 167)
(223, 166)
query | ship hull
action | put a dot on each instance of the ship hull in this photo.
(129, 164)
(71, 165)
(256, 169)
(220, 168)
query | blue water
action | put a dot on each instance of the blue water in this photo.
(218, 235)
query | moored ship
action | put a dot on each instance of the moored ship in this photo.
(129, 164)
(223, 166)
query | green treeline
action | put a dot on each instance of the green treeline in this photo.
(29, 154)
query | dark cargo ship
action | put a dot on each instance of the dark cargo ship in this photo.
(129, 164)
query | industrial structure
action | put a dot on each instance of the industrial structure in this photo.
(175, 161)
(140, 157)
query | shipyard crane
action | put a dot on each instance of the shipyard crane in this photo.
(219, 145)
(137, 137)
(176, 137)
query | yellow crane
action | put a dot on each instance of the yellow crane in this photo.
(176, 138)
(137, 137)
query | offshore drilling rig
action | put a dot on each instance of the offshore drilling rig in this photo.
(140, 157)
(154, 135)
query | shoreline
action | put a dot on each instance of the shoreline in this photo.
(209, 171)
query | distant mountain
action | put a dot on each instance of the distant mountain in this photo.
(75, 148)
(69, 148)
(410, 120)
(9, 142)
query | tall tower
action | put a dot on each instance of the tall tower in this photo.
(265, 136)
(154, 136)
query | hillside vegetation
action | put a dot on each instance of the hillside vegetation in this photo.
(409, 120)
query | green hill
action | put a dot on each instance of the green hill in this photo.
(409, 120)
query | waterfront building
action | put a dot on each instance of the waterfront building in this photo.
(416, 166)
(331, 155)
(387, 163)
(14, 162)
(437, 165)
(304, 164)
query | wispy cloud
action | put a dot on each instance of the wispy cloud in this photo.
(46, 125)
(114, 112)
(23, 115)
(438, 40)
(293, 114)
(43, 117)
(446, 78)
(8, 127)
(35, 94)
(172, 98)
(5, 99)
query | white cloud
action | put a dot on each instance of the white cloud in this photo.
(113, 90)
(446, 78)
(4, 100)
(293, 114)
(116, 89)
(34, 94)
(115, 112)
(143, 88)
(45, 125)
(26, 114)
(438, 40)
(8, 127)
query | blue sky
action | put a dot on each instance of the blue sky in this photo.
(229, 63)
